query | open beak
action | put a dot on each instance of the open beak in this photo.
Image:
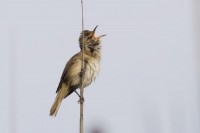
(93, 32)
(101, 36)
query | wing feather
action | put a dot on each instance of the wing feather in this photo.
(70, 65)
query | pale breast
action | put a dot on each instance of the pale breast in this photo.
(92, 66)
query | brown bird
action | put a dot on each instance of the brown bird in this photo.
(71, 76)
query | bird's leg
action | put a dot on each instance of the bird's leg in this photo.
(77, 94)
(81, 100)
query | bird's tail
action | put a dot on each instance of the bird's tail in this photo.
(60, 96)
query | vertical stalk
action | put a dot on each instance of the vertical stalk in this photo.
(82, 67)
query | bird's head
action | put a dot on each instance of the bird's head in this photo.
(91, 42)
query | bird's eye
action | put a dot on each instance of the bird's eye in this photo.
(89, 37)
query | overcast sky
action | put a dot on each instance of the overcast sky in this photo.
(148, 81)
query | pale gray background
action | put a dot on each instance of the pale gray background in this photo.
(149, 72)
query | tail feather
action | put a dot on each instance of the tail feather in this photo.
(55, 107)
(60, 96)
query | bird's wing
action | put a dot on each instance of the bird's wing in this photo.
(70, 65)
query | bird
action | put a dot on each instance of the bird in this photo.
(74, 73)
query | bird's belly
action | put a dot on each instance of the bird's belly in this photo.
(90, 73)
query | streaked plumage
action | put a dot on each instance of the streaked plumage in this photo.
(71, 77)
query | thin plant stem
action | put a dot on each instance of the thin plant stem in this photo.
(82, 67)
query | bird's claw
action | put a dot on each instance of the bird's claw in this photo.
(81, 100)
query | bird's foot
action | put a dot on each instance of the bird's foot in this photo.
(81, 100)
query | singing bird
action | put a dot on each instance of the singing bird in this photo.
(72, 73)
